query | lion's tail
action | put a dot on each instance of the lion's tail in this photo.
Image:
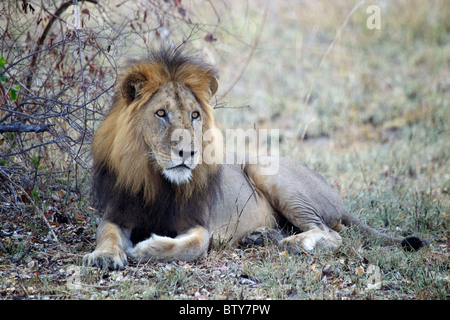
(410, 243)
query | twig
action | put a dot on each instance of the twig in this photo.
(32, 147)
(223, 105)
(17, 260)
(339, 32)
(3, 248)
(217, 15)
(362, 168)
(20, 127)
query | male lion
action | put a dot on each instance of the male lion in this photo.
(158, 202)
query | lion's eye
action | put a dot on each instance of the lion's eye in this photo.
(195, 115)
(161, 113)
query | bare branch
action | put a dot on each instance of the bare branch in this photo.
(20, 127)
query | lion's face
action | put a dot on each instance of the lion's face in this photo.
(154, 130)
(171, 125)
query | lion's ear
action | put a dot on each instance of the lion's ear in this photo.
(131, 86)
(214, 85)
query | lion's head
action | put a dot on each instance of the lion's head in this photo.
(155, 127)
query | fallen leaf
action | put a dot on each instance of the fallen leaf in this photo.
(359, 271)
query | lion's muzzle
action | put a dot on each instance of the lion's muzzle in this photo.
(183, 161)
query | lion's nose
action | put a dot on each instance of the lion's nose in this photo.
(181, 153)
(184, 153)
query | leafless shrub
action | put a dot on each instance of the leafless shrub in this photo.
(58, 63)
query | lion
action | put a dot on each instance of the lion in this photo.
(157, 202)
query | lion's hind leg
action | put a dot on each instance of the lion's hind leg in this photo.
(260, 237)
(305, 199)
(318, 237)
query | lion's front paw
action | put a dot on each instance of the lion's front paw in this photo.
(106, 259)
(155, 247)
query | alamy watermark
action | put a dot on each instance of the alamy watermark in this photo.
(74, 21)
(238, 147)
(74, 280)
(374, 278)
(374, 19)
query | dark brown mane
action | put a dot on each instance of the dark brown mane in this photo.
(175, 59)
(166, 216)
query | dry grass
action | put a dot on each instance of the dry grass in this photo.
(372, 114)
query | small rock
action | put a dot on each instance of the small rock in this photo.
(328, 271)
